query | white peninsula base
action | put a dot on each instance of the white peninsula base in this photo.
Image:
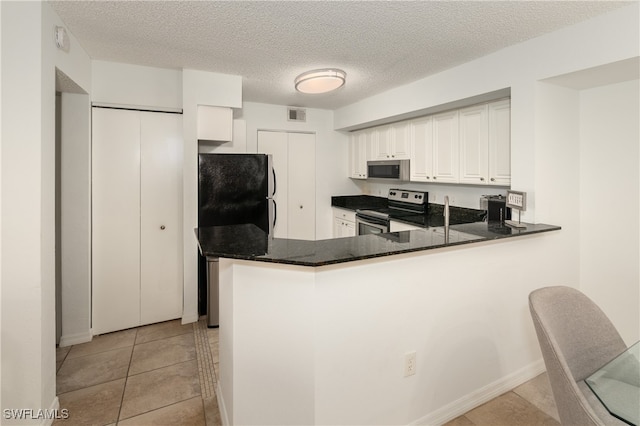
(326, 345)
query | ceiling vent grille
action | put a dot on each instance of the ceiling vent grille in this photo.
(297, 114)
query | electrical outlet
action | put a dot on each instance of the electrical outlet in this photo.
(409, 364)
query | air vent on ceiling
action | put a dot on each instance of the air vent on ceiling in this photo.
(296, 114)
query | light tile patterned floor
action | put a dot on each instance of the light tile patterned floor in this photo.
(167, 374)
(158, 374)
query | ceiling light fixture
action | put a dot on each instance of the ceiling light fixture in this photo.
(320, 81)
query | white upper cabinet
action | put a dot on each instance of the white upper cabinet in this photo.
(421, 142)
(392, 142)
(469, 146)
(400, 144)
(445, 147)
(500, 143)
(485, 144)
(382, 143)
(215, 123)
(474, 145)
(358, 155)
(434, 148)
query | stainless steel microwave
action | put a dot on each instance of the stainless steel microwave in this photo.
(388, 169)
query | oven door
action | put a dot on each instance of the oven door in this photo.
(371, 225)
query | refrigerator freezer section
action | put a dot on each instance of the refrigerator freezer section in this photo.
(234, 189)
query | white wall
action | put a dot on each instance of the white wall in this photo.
(609, 202)
(331, 153)
(28, 188)
(133, 85)
(75, 218)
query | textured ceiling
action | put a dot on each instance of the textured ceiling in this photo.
(380, 44)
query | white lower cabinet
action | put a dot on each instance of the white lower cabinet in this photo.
(344, 223)
(136, 218)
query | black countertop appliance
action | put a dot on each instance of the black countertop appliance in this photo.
(497, 211)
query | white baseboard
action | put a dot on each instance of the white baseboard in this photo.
(188, 319)
(54, 407)
(224, 416)
(482, 395)
(75, 339)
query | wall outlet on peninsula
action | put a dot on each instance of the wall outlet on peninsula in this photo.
(409, 364)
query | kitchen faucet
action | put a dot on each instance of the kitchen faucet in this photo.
(446, 219)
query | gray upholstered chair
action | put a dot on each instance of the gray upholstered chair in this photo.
(576, 339)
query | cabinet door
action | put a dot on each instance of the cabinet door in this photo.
(115, 220)
(474, 145)
(301, 184)
(349, 229)
(160, 217)
(358, 155)
(353, 156)
(400, 141)
(445, 147)
(421, 137)
(500, 143)
(275, 143)
(382, 143)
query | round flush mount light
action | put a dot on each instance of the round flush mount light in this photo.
(320, 81)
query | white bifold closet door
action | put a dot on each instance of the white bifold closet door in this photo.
(137, 216)
(294, 161)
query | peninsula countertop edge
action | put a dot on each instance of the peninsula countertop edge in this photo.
(249, 242)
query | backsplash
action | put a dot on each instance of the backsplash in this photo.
(467, 196)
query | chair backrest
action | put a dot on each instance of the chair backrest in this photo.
(576, 338)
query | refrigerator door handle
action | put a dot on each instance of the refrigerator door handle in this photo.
(274, 182)
(275, 213)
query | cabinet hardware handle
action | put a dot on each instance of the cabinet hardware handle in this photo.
(493, 179)
(482, 179)
(162, 227)
(301, 206)
(435, 177)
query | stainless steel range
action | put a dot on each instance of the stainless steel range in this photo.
(401, 204)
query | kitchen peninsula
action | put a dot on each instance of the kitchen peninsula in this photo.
(315, 332)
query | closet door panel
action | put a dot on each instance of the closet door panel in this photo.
(275, 143)
(161, 212)
(302, 184)
(115, 220)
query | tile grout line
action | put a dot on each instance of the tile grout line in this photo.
(126, 378)
(204, 358)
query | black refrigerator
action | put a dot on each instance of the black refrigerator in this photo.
(233, 189)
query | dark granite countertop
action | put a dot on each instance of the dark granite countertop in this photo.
(355, 202)
(249, 242)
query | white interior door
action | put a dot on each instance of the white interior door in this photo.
(115, 220)
(302, 186)
(275, 143)
(160, 217)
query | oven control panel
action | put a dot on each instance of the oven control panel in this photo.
(408, 196)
